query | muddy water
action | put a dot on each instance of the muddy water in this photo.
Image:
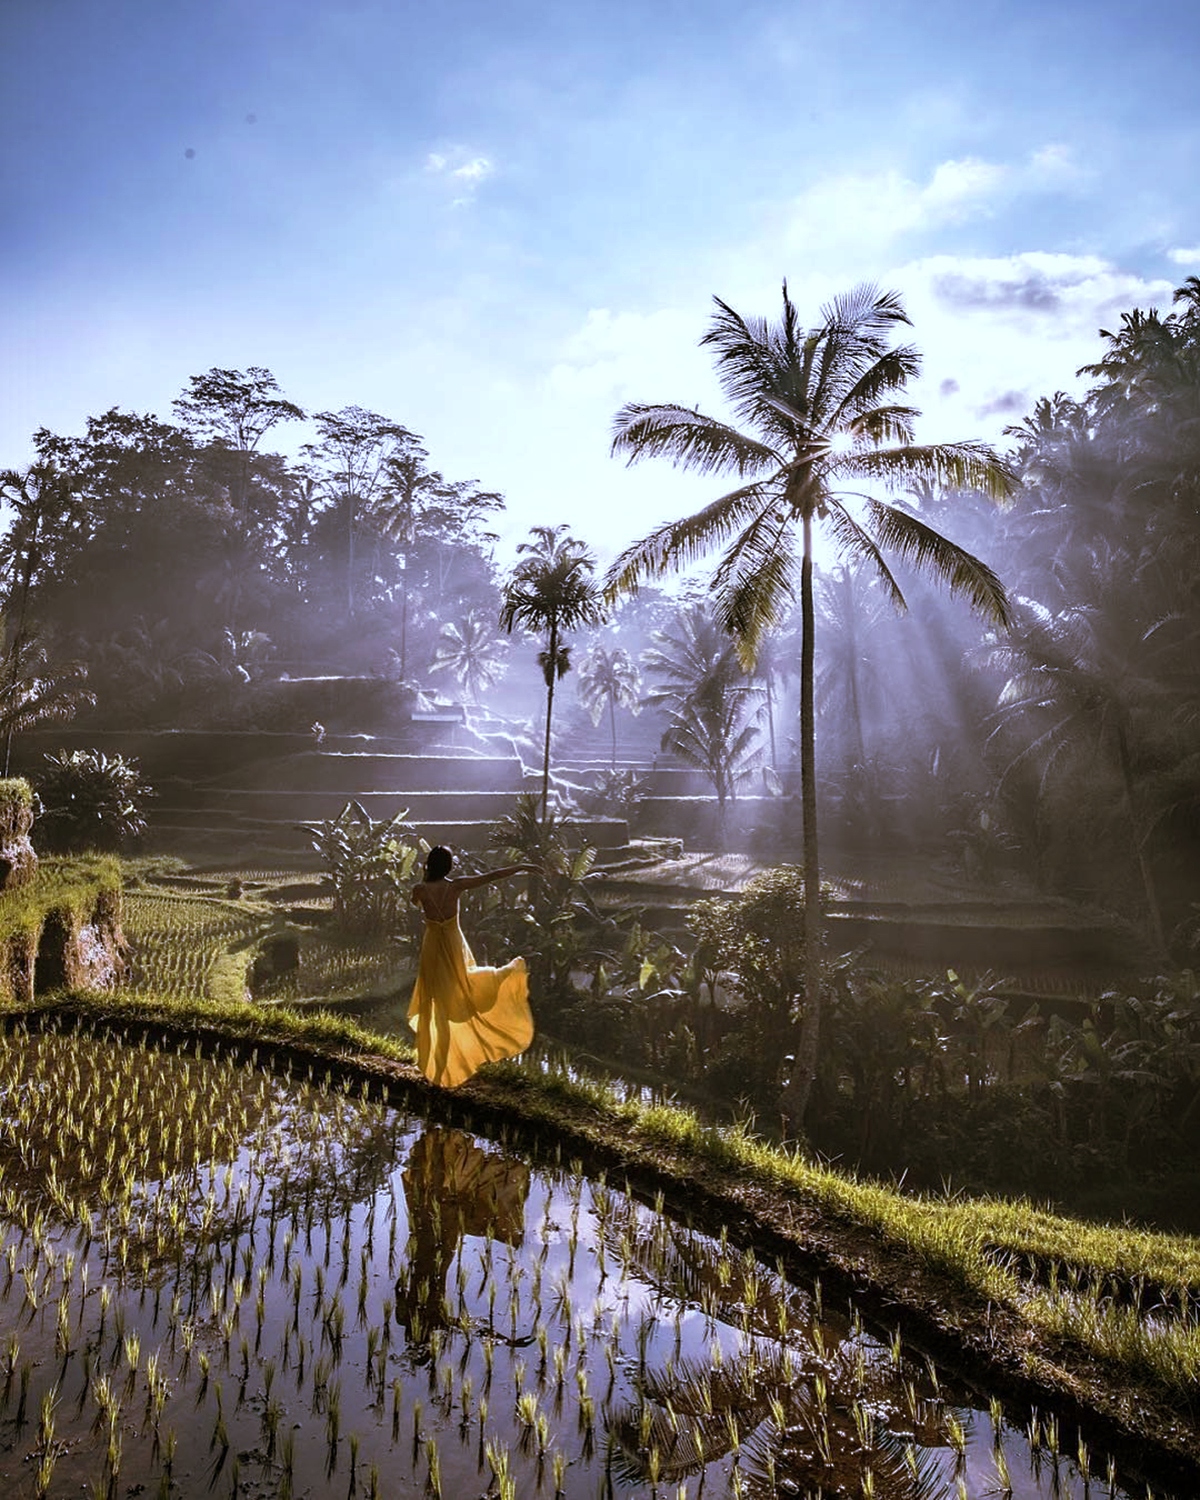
(215, 1281)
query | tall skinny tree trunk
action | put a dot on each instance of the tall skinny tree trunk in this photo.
(612, 724)
(551, 673)
(810, 1026)
(770, 682)
(1153, 911)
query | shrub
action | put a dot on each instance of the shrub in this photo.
(370, 864)
(90, 800)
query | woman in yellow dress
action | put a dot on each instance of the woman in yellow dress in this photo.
(464, 1014)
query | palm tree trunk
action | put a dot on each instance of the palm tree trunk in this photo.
(28, 563)
(551, 672)
(612, 724)
(810, 1026)
(350, 560)
(771, 718)
(1157, 936)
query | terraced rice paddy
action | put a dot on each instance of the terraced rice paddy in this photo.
(218, 1281)
(188, 944)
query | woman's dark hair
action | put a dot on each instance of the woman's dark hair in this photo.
(438, 863)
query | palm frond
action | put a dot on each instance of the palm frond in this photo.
(963, 572)
(964, 466)
(679, 543)
(865, 309)
(746, 362)
(884, 424)
(890, 372)
(688, 438)
(858, 543)
(753, 581)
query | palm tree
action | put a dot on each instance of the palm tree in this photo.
(551, 590)
(609, 679)
(1091, 688)
(472, 653)
(708, 694)
(851, 611)
(34, 691)
(825, 409)
(354, 457)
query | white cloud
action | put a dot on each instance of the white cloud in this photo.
(631, 356)
(462, 168)
(854, 218)
(997, 332)
(1185, 257)
(957, 188)
(474, 170)
(1053, 166)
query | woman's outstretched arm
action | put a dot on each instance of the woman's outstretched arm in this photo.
(471, 882)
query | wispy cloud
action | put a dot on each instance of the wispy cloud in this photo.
(462, 169)
(867, 212)
(1185, 257)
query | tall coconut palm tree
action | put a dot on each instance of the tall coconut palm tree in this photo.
(609, 680)
(826, 416)
(550, 590)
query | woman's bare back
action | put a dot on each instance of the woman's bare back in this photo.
(438, 899)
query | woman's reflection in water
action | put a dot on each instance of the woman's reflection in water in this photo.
(452, 1188)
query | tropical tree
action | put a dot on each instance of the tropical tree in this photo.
(44, 506)
(552, 590)
(90, 800)
(848, 683)
(826, 415)
(712, 702)
(35, 691)
(234, 407)
(609, 679)
(355, 459)
(472, 653)
(1086, 690)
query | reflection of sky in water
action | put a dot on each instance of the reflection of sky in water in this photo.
(340, 1269)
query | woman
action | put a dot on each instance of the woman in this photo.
(464, 1015)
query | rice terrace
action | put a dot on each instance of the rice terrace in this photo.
(282, 1285)
(481, 1023)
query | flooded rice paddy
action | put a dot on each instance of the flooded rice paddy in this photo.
(215, 1280)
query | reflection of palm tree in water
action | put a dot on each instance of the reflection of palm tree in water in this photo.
(452, 1188)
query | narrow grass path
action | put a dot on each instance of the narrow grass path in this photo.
(1101, 1323)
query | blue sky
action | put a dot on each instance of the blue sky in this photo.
(496, 222)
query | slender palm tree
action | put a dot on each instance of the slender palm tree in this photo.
(850, 611)
(609, 680)
(1093, 690)
(550, 590)
(35, 691)
(712, 701)
(824, 405)
(472, 653)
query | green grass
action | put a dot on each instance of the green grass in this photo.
(59, 884)
(246, 1021)
(15, 789)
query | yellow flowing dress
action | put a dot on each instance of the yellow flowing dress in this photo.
(465, 1014)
